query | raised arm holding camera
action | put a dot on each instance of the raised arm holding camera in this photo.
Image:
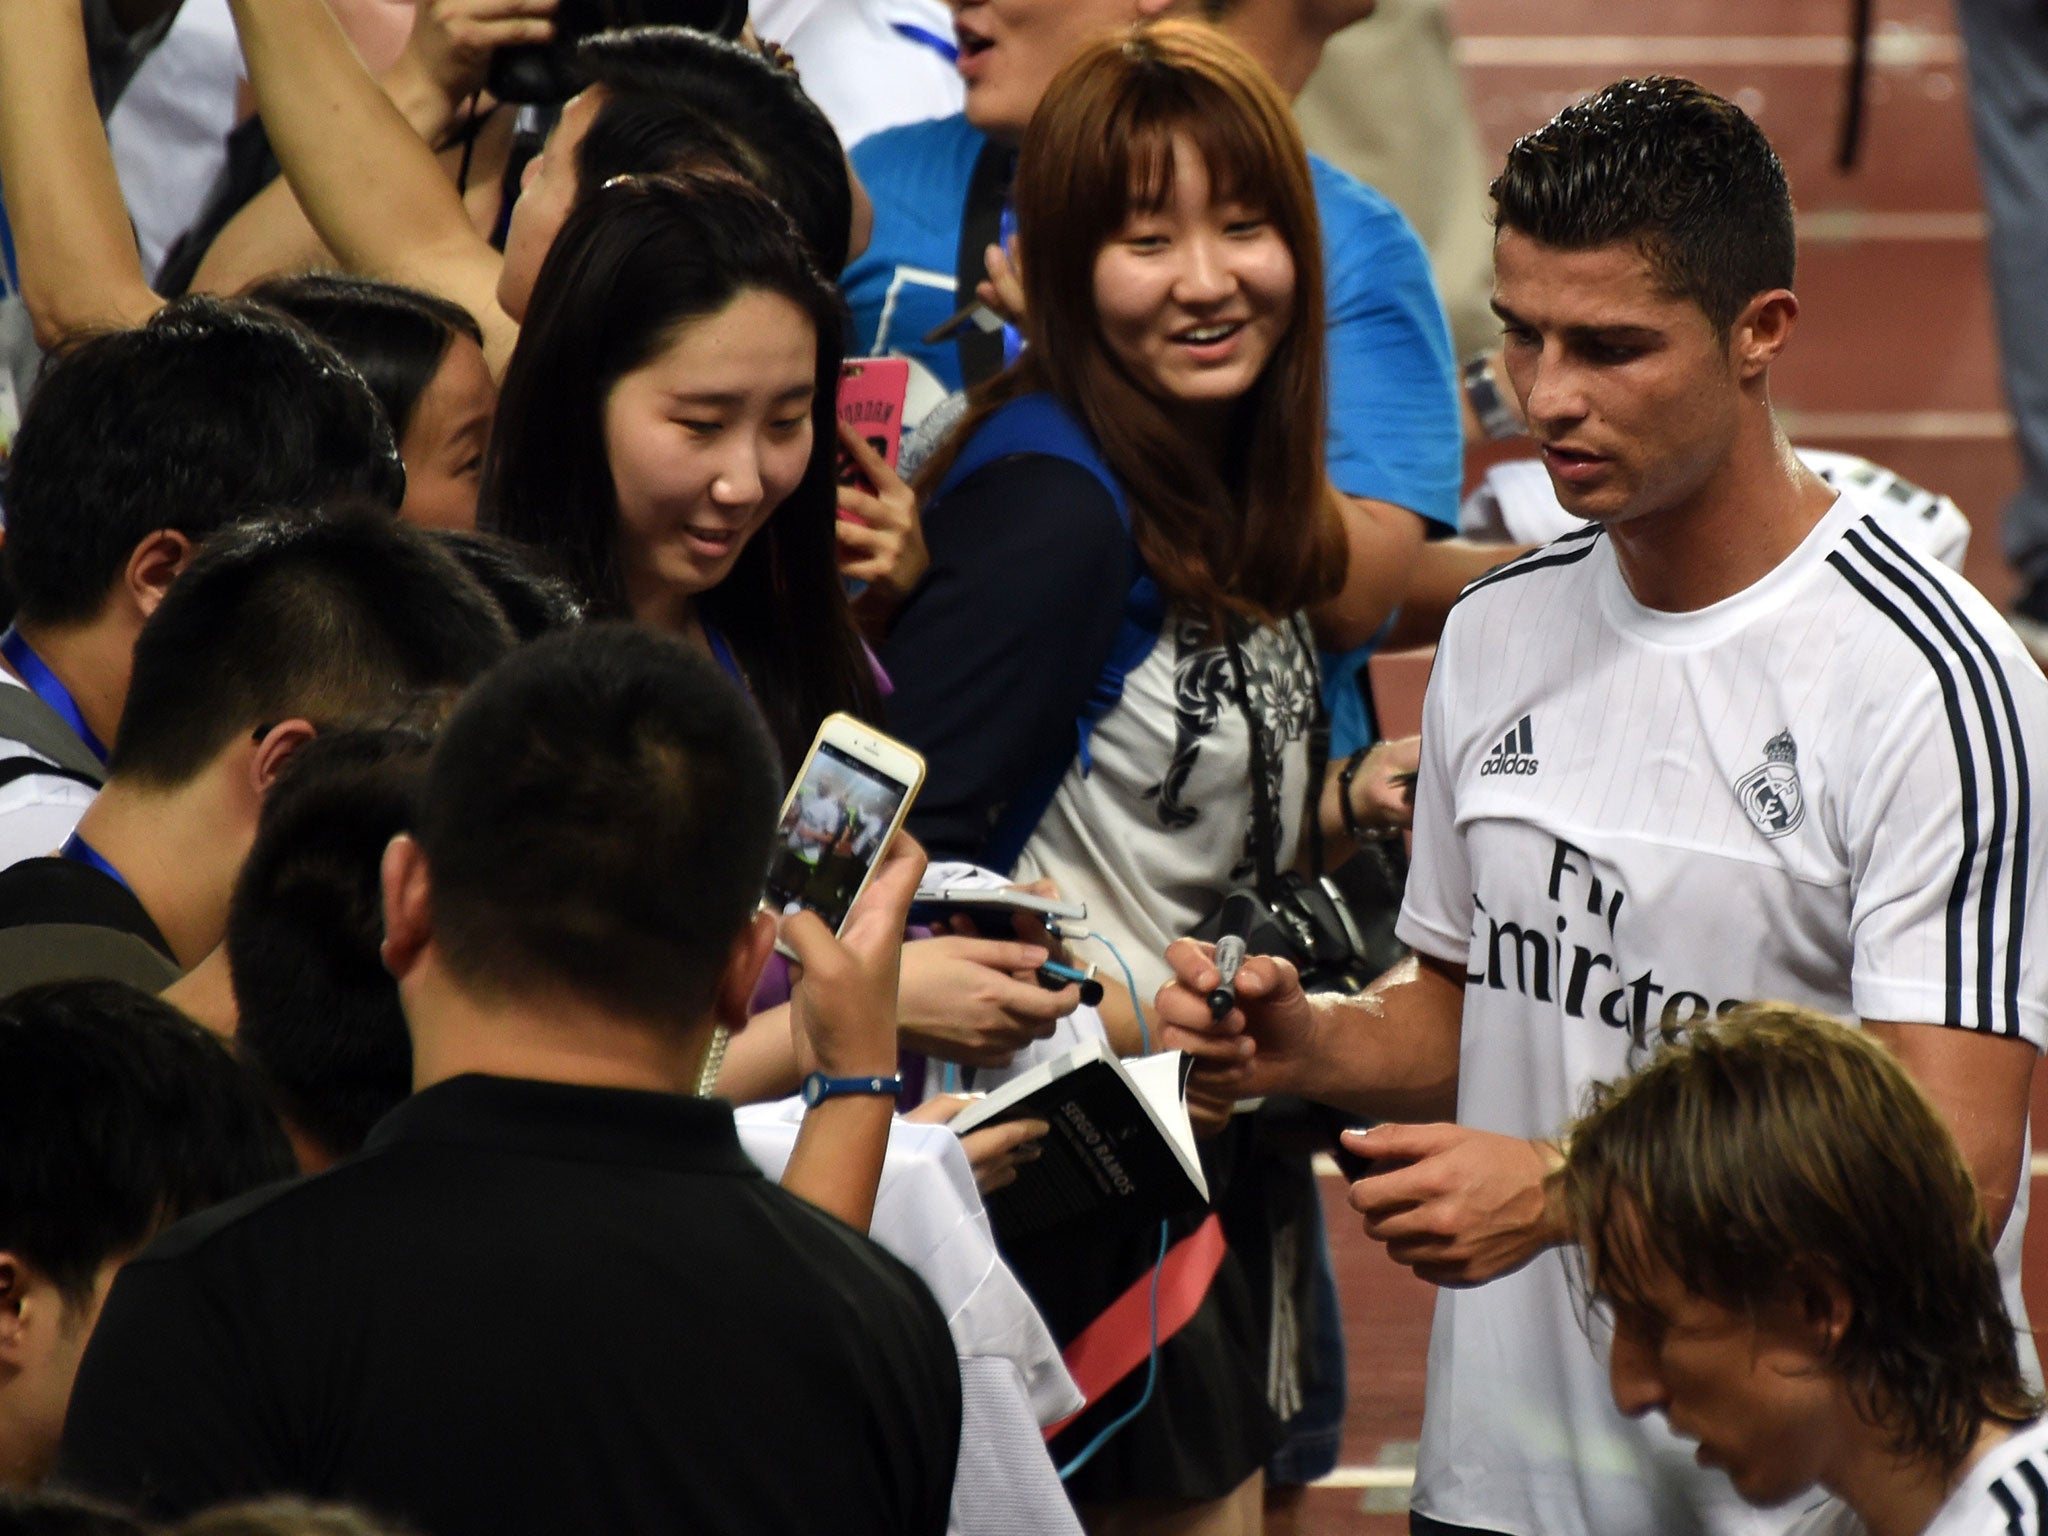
(652, 100)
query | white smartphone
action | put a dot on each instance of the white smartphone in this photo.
(849, 798)
(999, 898)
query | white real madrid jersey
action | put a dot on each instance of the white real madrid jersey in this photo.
(2006, 1491)
(1818, 790)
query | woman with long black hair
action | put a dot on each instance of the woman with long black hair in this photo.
(666, 432)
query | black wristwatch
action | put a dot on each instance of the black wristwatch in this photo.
(1352, 764)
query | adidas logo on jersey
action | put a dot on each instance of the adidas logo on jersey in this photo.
(1513, 753)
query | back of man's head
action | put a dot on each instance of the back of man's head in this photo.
(337, 617)
(676, 100)
(320, 1023)
(215, 409)
(597, 824)
(1774, 1150)
(1670, 168)
(118, 1116)
(532, 599)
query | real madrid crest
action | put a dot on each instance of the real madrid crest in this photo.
(1769, 792)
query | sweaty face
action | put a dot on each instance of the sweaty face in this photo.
(547, 191)
(1752, 1390)
(1629, 391)
(705, 442)
(1194, 297)
(1011, 49)
(444, 442)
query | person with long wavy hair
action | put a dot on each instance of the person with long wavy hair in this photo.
(1106, 667)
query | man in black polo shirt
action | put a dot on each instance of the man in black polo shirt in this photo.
(552, 1295)
(118, 1116)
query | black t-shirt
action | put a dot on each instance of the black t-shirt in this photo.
(993, 657)
(528, 1307)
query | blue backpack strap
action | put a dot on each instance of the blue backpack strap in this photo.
(1039, 424)
(1034, 423)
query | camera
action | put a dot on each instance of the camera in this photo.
(546, 73)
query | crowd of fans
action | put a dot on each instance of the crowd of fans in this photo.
(425, 574)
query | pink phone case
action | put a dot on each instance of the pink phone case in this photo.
(871, 394)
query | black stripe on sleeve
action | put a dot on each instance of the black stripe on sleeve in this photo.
(2031, 1476)
(2022, 842)
(1993, 847)
(2009, 1502)
(1959, 890)
(1997, 1008)
(1569, 549)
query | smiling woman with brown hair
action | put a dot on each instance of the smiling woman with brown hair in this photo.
(1130, 518)
(1106, 668)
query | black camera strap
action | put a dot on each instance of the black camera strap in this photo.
(1265, 868)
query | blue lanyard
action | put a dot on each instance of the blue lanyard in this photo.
(723, 654)
(10, 279)
(79, 851)
(44, 684)
(943, 47)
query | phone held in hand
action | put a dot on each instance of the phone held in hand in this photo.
(871, 395)
(849, 799)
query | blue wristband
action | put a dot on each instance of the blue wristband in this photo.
(818, 1087)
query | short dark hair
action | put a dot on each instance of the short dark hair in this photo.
(1775, 1143)
(215, 409)
(1677, 171)
(634, 262)
(284, 1517)
(118, 1116)
(597, 820)
(339, 617)
(320, 1024)
(678, 100)
(394, 336)
(533, 600)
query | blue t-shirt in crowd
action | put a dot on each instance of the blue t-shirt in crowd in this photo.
(1394, 429)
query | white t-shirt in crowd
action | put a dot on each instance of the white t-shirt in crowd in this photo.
(868, 64)
(2005, 1492)
(169, 130)
(1013, 1382)
(37, 811)
(1154, 830)
(1817, 790)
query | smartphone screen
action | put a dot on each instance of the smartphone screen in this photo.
(833, 829)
